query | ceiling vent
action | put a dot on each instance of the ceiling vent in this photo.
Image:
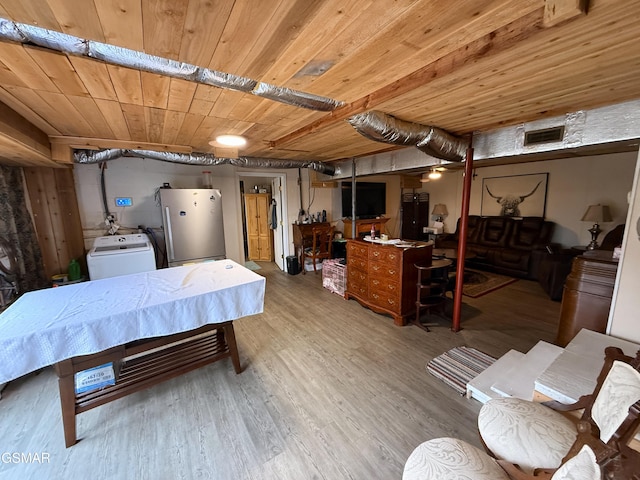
(546, 135)
(314, 68)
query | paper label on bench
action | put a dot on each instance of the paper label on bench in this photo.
(95, 378)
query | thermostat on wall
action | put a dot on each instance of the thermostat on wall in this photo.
(123, 202)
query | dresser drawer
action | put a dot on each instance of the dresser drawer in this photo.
(390, 256)
(357, 282)
(378, 269)
(384, 285)
(359, 263)
(356, 250)
(386, 300)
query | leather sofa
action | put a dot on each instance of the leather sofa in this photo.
(505, 245)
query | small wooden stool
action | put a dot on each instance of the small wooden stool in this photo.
(434, 279)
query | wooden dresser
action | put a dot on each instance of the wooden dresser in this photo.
(383, 277)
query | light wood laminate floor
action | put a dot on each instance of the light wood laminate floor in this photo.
(330, 390)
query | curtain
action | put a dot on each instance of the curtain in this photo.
(17, 229)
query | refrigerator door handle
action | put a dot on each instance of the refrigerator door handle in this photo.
(167, 218)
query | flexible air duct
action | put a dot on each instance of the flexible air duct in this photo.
(207, 159)
(124, 57)
(433, 141)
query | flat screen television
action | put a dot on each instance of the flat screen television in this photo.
(370, 199)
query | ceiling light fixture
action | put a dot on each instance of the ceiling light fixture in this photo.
(231, 140)
(434, 175)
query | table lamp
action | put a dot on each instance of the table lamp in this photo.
(596, 214)
(439, 210)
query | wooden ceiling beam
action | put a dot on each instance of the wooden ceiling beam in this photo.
(496, 42)
(558, 11)
(16, 129)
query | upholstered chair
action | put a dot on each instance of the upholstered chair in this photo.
(533, 436)
(452, 459)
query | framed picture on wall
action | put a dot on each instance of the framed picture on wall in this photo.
(515, 196)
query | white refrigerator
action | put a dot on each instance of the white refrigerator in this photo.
(192, 221)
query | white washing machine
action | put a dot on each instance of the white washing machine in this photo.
(116, 255)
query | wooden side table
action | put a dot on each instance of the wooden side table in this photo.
(431, 287)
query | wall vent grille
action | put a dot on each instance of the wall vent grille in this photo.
(546, 135)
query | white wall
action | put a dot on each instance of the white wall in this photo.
(574, 184)
(140, 179)
(623, 318)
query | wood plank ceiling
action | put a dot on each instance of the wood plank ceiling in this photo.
(461, 65)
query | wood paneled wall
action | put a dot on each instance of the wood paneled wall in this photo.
(57, 218)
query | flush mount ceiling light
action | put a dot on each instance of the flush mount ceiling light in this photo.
(229, 141)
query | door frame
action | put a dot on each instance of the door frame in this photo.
(280, 234)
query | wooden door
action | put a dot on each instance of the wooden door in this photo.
(259, 234)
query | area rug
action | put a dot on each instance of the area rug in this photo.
(252, 265)
(458, 366)
(478, 283)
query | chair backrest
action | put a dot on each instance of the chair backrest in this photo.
(322, 240)
(615, 405)
(582, 466)
(619, 391)
(611, 416)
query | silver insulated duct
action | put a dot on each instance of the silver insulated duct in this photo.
(124, 57)
(433, 141)
(205, 159)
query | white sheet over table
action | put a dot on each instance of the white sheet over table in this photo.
(46, 326)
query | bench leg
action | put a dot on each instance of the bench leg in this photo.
(66, 386)
(230, 337)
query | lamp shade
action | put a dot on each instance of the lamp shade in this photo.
(597, 214)
(440, 209)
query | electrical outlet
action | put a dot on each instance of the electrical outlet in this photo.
(113, 217)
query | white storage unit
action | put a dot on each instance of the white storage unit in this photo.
(116, 255)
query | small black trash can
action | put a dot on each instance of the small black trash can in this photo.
(293, 266)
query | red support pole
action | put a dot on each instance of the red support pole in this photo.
(462, 240)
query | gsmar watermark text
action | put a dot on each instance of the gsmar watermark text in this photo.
(24, 457)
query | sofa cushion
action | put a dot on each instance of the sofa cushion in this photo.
(530, 233)
(474, 225)
(495, 231)
(450, 240)
(513, 259)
